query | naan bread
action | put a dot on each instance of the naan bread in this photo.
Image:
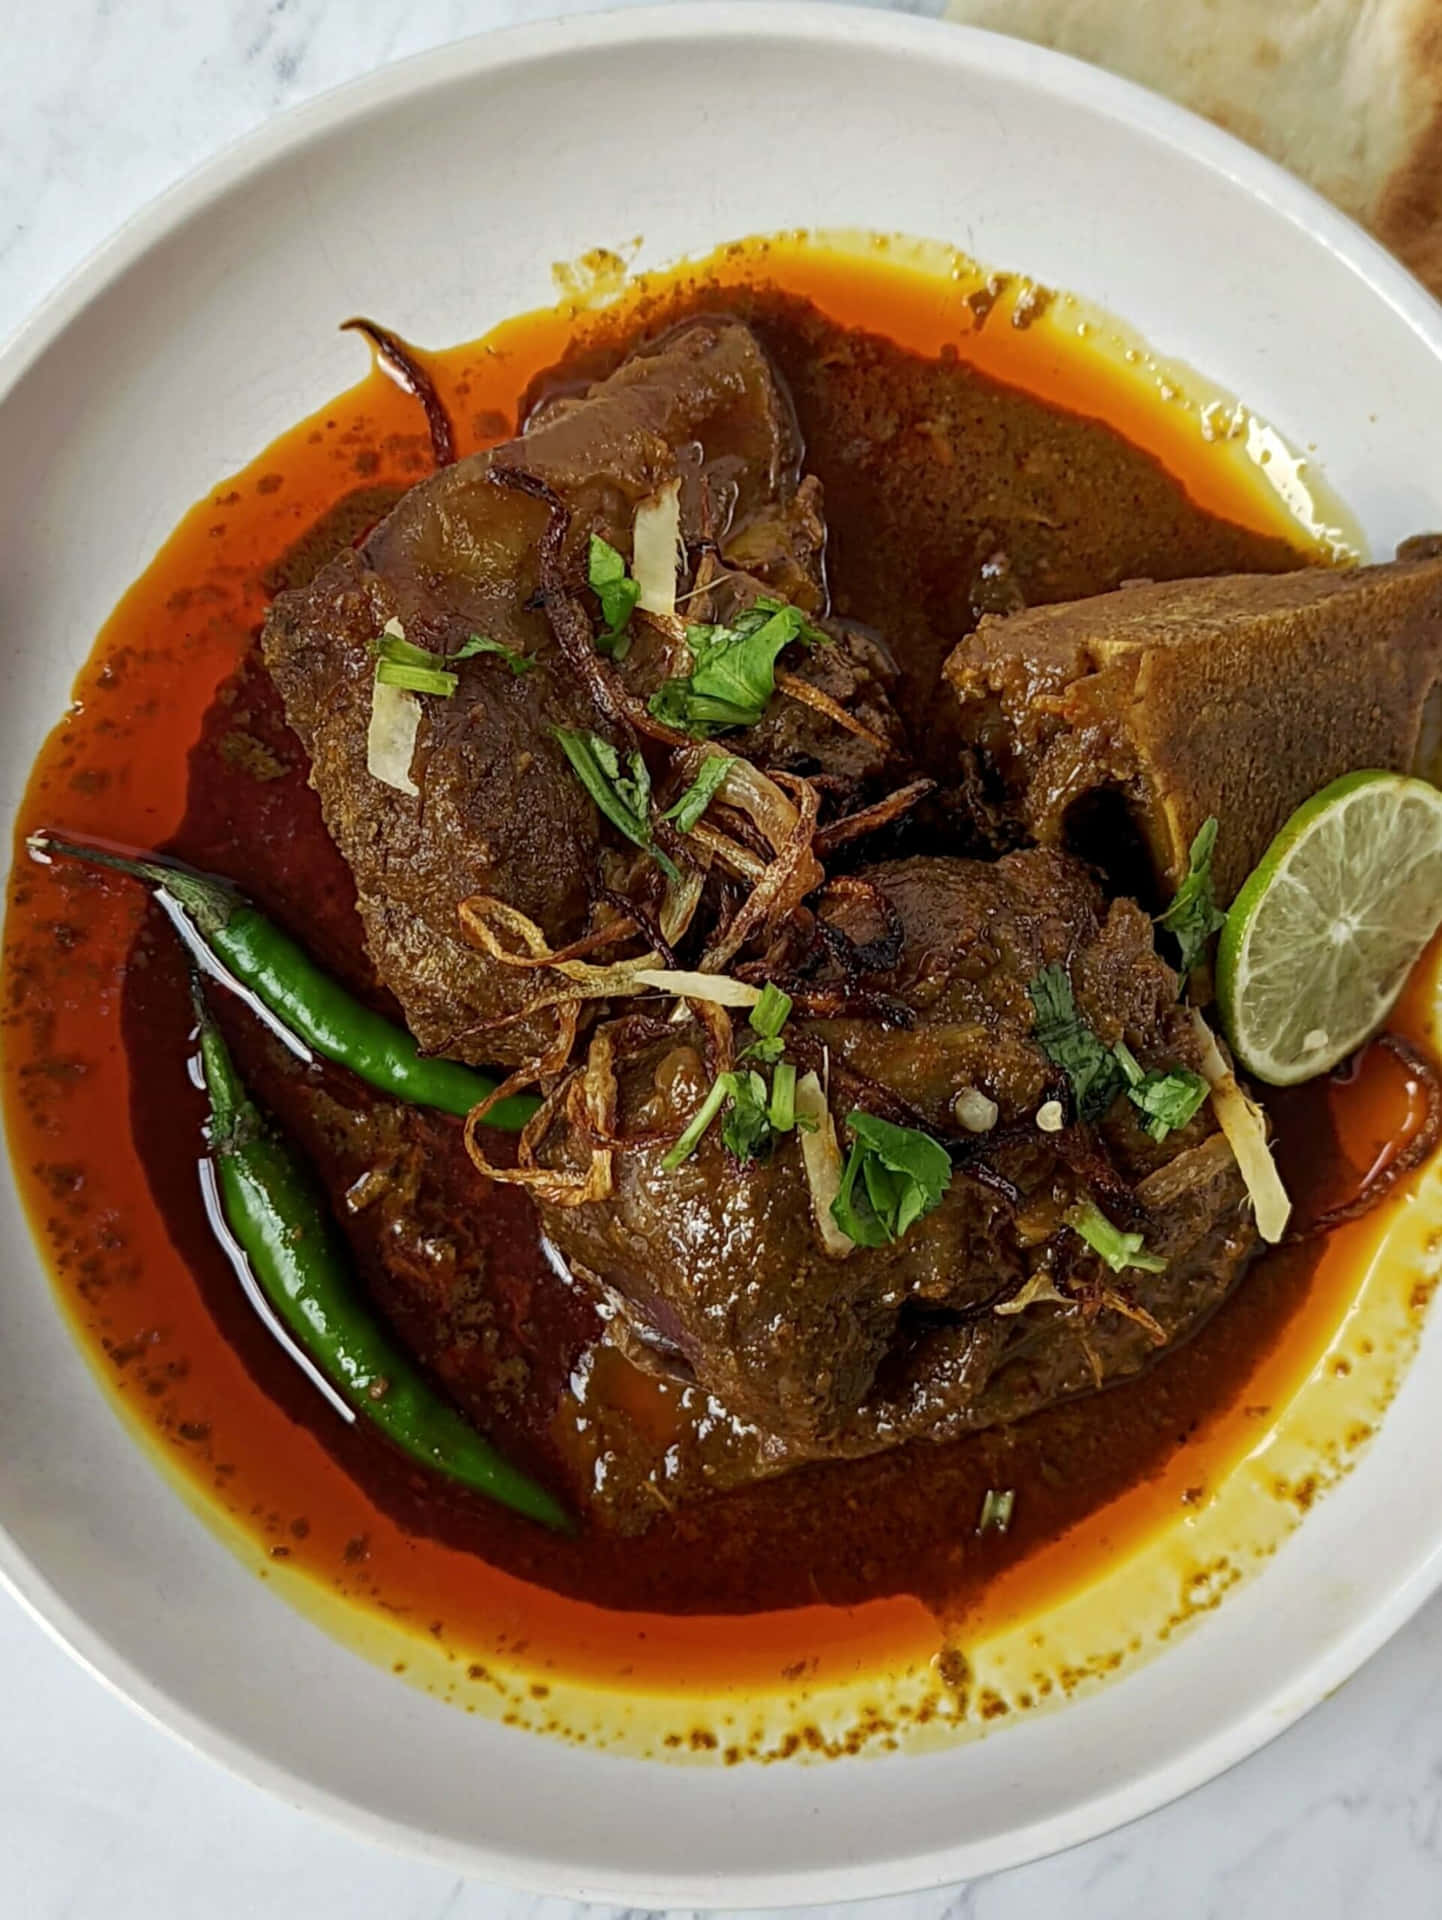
(1347, 93)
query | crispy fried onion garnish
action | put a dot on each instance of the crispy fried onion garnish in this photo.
(1041, 1288)
(636, 916)
(750, 819)
(808, 940)
(627, 1034)
(1088, 1293)
(1094, 1294)
(404, 366)
(635, 1030)
(795, 688)
(594, 1085)
(485, 919)
(1133, 1310)
(716, 1025)
(678, 907)
(852, 826)
(728, 851)
(571, 624)
(1398, 1158)
(765, 800)
(793, 873)
(1083, 1149)
(557, 1185)
(859, 957)
(835, 1002)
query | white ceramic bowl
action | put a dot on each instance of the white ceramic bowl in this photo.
(438, 194)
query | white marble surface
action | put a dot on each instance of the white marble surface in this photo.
(102, 1817)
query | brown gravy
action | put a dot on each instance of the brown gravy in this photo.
(939, 441)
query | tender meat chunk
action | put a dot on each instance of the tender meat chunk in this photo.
(718, 1268)
(1116, 725)
(783, 550)
(944, 1381)
(721, 1266)
(702, 403)
(834, 715)
(498, 810)
(855, 672)
(973, 935)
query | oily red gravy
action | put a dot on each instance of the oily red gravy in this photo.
(180, 738)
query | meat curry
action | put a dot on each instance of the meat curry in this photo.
(814, 903)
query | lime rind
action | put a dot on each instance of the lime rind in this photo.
(1319, 942)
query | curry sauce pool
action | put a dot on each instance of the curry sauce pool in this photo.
(836, 1569)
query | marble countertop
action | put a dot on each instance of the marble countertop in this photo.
(102, 1817)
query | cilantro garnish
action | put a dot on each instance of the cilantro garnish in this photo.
(746, 1130)
(752, 1117)
(1118, 1249)
(894, 1176)
(1194, 916)
(624, 797)
(401, 663)
(519, 663)
(1068, 1042)
(767, 1018)
(782, 1110)
(1169, 1097)
(698, 796)
(617, 593)
(734, 675)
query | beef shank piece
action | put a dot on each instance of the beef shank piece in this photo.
(717, 1270)
(497, 810)
(1117, 725)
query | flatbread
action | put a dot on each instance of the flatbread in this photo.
(1346, 93)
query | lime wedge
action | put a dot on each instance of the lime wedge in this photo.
(1319, 941)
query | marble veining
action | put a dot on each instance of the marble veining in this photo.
(103, 104)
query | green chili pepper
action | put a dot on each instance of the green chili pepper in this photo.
(215, 917)
(282, 1229)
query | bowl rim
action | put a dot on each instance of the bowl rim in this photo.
(287, 134)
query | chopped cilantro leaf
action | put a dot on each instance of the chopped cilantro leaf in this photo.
(698, 796)
(768, 1052)
(1118, 1249)
(768, 1017)
(1169, 1100)
(1093, 1070)
(746, 1130)
(1194, 916)
(617, 593)
(716, 1098)
(401, 663)
(393, 645)
(771, 1011)
(624, 797)
(782, 1111)
(902, 1173)
(401, 673)
(734, 672)
(519, 663)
